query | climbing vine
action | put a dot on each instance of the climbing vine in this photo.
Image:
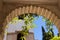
(28, 20)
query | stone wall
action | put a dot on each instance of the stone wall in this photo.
(1, 5)
(13, 36)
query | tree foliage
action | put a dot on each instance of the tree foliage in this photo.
(50, 34)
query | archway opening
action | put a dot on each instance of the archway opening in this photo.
(39, 22)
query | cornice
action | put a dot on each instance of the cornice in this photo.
(30, 2)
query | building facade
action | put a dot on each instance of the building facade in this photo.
(13, 36)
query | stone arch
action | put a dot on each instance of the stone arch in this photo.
(33, 9)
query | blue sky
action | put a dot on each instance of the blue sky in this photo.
(38, 31)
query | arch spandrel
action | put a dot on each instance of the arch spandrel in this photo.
(32, 9)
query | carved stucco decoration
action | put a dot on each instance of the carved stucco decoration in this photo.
(32, 9)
